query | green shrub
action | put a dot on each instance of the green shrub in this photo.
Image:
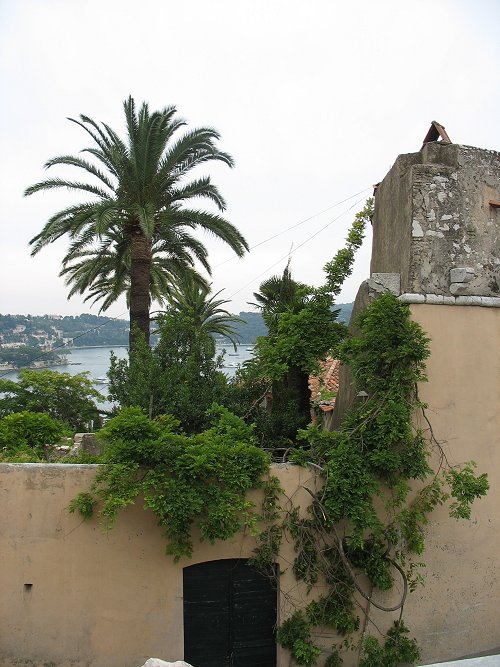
(25, 431)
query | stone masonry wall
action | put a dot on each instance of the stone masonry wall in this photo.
(435, 227)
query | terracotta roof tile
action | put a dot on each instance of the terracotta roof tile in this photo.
(327, 380)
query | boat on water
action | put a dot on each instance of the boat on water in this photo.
(101, 380)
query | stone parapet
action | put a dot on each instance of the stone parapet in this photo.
(444, 300)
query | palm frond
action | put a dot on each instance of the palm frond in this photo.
(75, 161)
(52, 183)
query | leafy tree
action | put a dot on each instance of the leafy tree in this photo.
(180, 376)
(302, 331)
(139, 201)
(68, 398)
(278, 295)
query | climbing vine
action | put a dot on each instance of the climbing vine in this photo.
(367, 466)
(378, 487)
(200, 480)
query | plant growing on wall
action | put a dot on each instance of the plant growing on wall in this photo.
(187, 481)
(374, 456)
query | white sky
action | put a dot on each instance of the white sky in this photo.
(314, 99)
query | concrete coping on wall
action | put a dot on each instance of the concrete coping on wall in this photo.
(486, 661)
(46, 464)
(442, 300)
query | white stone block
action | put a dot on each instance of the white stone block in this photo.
(416, 229)
(156, 662)
(407, 297)
(436, 299)
(462, 274)
(468, 301)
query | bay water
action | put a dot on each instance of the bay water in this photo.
(95, 361)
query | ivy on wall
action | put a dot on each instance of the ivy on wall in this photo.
(187, 481)
(368, 467)
(378, 487)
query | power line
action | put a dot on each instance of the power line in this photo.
(291, 252)
(284, 231)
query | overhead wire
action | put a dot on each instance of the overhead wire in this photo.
(260, 243)
(291, 252)
(297, 224)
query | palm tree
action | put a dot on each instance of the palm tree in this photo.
(104, 271)
(190, 299)
(277, 296)
(280, 294)
(138, 200)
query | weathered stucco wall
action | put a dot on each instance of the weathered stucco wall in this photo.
(456, 613)
(75, 597)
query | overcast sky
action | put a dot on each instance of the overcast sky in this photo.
(313, 98)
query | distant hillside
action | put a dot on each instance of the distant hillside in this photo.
(345, 311)
(254, 324)
(54, 330)
(248, 331)
(51, 331)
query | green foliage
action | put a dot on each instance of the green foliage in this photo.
(180, 376)
(187, 481)
(294, 634)
(68, 398)
(302, 330)
(397, 649)
(334, 659)
(190, 299)
(84, 504)
(27, 432)
(367, 466)
(341, 266)
(465, 488)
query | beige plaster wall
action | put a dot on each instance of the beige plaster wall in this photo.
(99, 600)
(115, 599)
(457, 613)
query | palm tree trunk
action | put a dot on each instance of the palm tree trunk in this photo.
(140, 276)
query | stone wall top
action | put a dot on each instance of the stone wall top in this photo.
(434, 224)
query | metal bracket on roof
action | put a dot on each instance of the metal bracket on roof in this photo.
(436, 132)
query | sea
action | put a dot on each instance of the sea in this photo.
(95, 362)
